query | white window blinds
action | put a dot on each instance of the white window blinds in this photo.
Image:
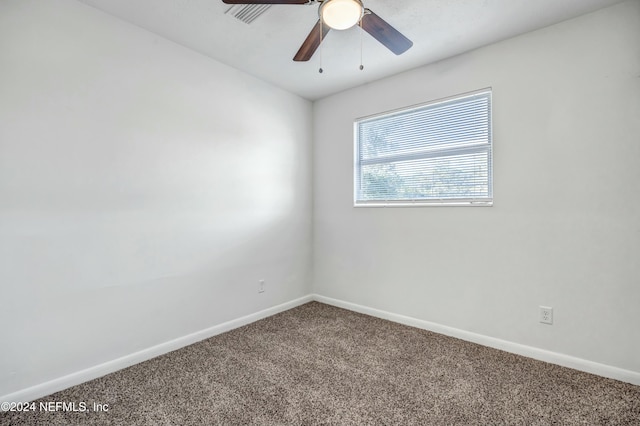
(436, 153)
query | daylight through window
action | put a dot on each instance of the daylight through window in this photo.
(437, 153)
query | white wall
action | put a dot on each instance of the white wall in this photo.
(565, 227)
(144, 190)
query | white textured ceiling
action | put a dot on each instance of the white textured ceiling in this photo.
(265, 48)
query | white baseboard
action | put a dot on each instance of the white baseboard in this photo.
(56, 385)
(47, 388)
(580, 364)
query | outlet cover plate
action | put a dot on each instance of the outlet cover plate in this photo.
(546, 314)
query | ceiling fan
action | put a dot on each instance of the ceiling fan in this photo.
(341, 15)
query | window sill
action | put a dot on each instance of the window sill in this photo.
(449, 203)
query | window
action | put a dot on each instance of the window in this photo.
(437, 153)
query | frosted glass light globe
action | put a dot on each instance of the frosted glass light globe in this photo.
(341, 14)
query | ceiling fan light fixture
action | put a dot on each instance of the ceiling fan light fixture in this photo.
(341, 14)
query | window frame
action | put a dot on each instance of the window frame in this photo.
(430, 202)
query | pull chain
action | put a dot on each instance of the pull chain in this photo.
(360, 25)
(321, 25)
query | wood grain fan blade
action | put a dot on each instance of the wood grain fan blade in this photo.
(265, 1)
(312, 42)
(382, 31)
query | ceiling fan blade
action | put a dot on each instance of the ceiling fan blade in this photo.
(382, 31)
(265, 1)
(312, 42)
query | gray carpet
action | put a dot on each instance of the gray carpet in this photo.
(318, 364)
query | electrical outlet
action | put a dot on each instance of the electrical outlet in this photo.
(546, 314)
(261, 286)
